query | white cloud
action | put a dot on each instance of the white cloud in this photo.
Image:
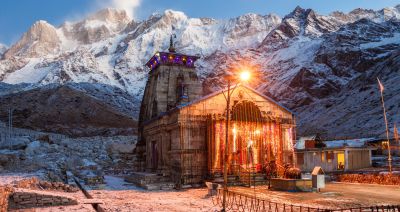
(129, 5)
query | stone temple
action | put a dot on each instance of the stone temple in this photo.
(182, 132)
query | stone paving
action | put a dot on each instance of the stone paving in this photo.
(334, 196)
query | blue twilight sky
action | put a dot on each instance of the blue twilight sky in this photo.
(16, 16)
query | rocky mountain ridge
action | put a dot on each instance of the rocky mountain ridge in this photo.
(303, 59)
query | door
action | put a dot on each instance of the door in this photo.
(340, 161)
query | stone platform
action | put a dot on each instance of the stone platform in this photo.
(291, 184)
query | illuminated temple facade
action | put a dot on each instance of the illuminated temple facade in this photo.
(182, 133)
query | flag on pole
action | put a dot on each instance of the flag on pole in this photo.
(396, 133)
(380, 85)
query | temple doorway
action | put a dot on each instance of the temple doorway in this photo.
(254, 141)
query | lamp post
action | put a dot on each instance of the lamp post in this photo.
(244, 76)
(381, 88)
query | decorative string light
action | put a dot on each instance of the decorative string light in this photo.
(168, 58)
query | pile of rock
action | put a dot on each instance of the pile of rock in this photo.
(58, 186)
(123, 157)
(86, 158)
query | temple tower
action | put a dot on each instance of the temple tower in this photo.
(172, 82)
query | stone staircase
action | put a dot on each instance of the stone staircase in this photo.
(253, 179)
(242, 179)
(150, 181)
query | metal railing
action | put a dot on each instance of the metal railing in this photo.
(243, 202)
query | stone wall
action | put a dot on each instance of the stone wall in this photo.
(35, 183)
(382, 179)
(23, 199)
(5, 192)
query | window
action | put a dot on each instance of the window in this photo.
(323, 156)
(329, 156)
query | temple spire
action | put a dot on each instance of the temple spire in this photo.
(171, 44)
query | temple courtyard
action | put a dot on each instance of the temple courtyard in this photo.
(334, 196)
(117, 195)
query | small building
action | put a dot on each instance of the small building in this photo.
(182, 132)
(337, 155)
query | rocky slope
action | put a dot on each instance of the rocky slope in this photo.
(303, 59)
(71, 109)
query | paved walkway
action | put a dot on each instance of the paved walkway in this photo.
(334, 196)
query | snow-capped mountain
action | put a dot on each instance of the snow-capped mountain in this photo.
(376, 16)
(302, 59)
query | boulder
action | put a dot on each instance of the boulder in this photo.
(122, 148)
(15, 143)
(33, 148)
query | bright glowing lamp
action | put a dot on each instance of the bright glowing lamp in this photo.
(245, 76)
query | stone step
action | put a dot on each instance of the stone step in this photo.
(142, 179)
(159, 186)
(91, 201)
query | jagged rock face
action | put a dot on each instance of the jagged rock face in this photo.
(302, 60)
(376, 16)
(356, 110)
(302, 22)
(40, 40)
(249, 26)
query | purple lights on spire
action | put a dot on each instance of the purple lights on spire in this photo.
(168, 58)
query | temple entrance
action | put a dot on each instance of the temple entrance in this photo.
(254, 141)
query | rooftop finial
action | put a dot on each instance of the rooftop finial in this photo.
(171, 43)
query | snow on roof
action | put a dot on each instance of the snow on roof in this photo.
(355, 143)
(348, 143)
(300, 143)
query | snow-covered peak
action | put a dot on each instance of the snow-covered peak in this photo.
(175, 14)
(303, 22)
(376, 16)
(40, 26)
(40, 40)
(298, 12)
(174, 19)
(111, 15)
(391, 13)
(96, 27)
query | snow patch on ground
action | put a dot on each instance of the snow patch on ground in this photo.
(384, 41)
